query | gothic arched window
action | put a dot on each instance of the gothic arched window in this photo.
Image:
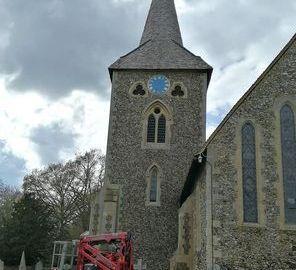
(153, 185)
(288, 142)
(250, 205)
(153, 190)
(157, 125)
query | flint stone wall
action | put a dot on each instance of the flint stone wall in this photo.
(155, 228)
(270, 245)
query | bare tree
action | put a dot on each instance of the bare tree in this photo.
(8, 194)
(90, 169)
(66, 189)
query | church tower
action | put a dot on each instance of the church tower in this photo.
(157, 124)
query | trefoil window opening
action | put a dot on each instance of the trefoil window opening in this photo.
(139, 90)
(178, 92)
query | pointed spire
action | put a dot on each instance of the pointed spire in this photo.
(162, 22)
(161, 45)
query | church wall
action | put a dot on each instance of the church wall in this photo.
(200, 232)
(183, 258)
(155, 227)
(270, 244)
(192, 240)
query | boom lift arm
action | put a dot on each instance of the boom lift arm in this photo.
(106, 252)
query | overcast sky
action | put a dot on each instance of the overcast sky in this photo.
(54, 54)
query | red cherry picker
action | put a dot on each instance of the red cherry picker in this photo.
(106, 252)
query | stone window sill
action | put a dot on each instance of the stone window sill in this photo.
(157, 146)
(250, 225)
(286, 227)
(153, 204)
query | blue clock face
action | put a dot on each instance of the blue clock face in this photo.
(159, 84)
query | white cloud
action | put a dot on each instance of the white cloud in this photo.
(61, 48)
(81, 113)
(210, 130)
(238, 41)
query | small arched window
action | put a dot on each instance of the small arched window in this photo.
(288, 143)
(153, 178)
(153, 185)
(250, 204)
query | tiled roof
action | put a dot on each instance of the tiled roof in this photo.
(163, 54)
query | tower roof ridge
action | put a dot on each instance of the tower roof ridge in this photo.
(162, 22)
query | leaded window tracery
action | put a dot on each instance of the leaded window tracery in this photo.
(288, 143)
(250, 204)
(157, 126)
(161, 129)
(151, 128)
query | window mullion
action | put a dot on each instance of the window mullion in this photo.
(156, 128)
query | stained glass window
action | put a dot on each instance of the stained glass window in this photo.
(161, 129)
(151, 128)
(153, 185)
(249, 174)
(288, 142)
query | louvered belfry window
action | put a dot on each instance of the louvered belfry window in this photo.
(250, 204)
(288, 143)
(156, 127)
(161, 129)
(153, 185)
(151, 129)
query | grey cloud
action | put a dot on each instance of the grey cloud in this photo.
(51, 140)
(12, 168)
(223, 30)
(238, 38)
(56, 46)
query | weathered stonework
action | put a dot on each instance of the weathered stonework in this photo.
(212, 233)
(182, 266)
(267, 245)
(231, 243)
(187, 233)
(131, 156)
(155, 227)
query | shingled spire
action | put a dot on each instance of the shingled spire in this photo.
(162, 22)
(161, 45)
